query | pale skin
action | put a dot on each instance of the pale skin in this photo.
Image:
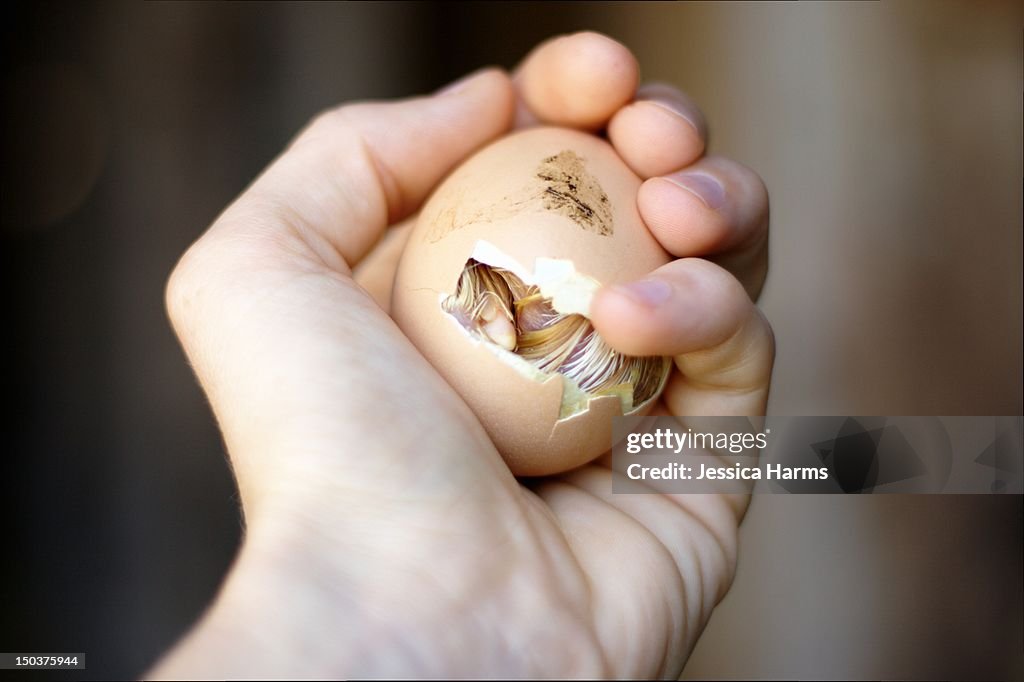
(384, 534)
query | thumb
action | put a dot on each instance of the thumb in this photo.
(360, 167)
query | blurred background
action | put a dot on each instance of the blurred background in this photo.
(889, 136)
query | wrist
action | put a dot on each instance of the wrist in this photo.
(273, 617)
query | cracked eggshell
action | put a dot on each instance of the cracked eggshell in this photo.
(548, 193)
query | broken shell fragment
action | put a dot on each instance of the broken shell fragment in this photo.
(495, 304)
(494, 288)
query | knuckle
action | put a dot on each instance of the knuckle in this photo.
(754, 185)
(181, 287)
(720, 277)
(333, 121)
(759, 189)
(190, 283)
(741, 176)
(320, 124)
(767, 346)
(767, 329)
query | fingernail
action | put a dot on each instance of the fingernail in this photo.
(647, 292)
(707, 188)
(461, 84)
(690, 117)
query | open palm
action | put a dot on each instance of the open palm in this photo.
(385, 536)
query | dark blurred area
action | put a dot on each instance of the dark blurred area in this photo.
(889, 137)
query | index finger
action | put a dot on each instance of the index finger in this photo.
(577, 80)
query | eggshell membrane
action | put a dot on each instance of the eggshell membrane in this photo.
(514, 195)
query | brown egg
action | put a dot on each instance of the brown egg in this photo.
(495, 283)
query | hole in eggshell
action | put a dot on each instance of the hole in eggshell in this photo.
(543, 324)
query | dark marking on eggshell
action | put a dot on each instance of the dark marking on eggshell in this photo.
(570, 190)
(566, 188)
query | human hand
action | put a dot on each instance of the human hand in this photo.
(384, 534)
